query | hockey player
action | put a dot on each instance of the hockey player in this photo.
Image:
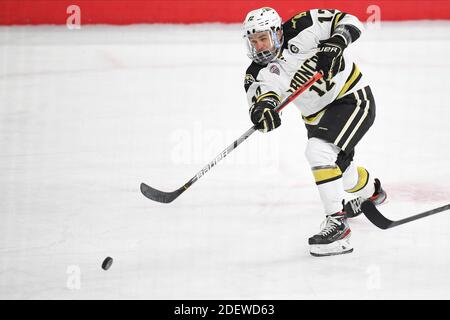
(337, 110)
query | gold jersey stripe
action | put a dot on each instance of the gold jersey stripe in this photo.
(363, 178)
(354, 76)
(336, 19)
(297, 17)
(268, 94)
(326, 174)
(313, 118)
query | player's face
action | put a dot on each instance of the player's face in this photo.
(262, 47)
(261, 41)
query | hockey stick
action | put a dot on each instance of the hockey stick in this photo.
(377, 218)
(166, 197)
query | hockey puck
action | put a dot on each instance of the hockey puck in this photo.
(107, 263)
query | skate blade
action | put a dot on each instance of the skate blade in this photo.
(336, 248)
(330, 254)
(386, 200)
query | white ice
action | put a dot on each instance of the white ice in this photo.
(87, 115)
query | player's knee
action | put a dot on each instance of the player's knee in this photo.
(320, 152)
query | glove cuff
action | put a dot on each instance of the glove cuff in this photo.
(342, 34)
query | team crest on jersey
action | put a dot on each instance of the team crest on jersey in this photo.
(294, 49)
(274, 69)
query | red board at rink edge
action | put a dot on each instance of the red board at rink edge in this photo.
(122, 12)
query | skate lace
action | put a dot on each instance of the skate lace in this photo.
(329, 225)
(355, 204)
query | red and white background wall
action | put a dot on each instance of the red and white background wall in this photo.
(121, 12)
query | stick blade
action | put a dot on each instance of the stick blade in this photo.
(375, 216)
(157, 195)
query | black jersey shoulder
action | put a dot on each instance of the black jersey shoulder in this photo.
(296, 24)
(252, 74)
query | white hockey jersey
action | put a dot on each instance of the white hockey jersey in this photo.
(297, 61)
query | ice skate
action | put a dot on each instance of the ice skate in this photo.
(333, 239)
(353, 207)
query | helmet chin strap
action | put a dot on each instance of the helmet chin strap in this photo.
(277, 42)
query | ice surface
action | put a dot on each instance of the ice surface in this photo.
(86, 115)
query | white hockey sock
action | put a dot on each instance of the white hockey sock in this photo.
(357, 181)
(322, 156)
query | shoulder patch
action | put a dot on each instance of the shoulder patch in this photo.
(248, 81)
(274, 69)
(252, 74)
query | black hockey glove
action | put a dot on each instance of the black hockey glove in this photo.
(329, 56)
(264, 116)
